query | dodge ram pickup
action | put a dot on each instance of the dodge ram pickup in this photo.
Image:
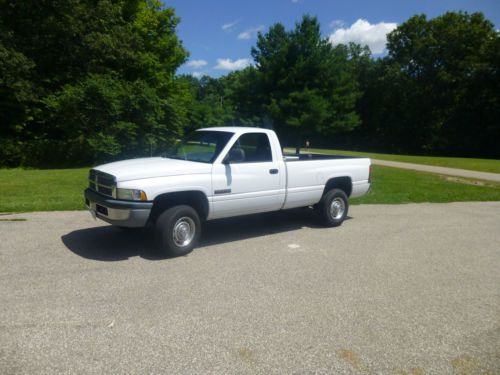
(218, 173)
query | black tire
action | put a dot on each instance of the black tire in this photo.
(333, 217)
(176, 220)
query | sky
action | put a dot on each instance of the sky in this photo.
(220, 33)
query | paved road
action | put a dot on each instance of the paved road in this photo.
(441, 170)
(406, 289)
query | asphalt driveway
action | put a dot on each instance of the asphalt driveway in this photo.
(403, 289)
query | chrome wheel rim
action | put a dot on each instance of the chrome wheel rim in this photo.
(337, 208)
(184, 230)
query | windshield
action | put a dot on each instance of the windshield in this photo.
(201, 146)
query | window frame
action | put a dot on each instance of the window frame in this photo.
(237, 141)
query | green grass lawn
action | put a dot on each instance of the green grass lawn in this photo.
(62, 189)
(392, 186)
(483, 165)
(26, 190)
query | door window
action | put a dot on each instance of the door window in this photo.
(251, 148)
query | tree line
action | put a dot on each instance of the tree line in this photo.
(83, 82)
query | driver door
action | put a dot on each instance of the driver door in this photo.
(248, 179)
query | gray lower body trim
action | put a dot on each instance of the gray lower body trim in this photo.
(121, 213)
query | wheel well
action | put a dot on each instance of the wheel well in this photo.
(196, 199)
(342, 183)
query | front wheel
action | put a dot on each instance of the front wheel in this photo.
(178, 230)
(333, 208)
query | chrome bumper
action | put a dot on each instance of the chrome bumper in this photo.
(117, 212)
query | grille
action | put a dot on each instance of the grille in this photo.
(102, 183)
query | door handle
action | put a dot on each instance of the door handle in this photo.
(273, 171)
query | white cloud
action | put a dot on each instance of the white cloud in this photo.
(364, 33)
(196, 63)
(198, 74)
(228, 27)
(249, 33)
(228, 64)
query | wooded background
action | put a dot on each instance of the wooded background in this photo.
(83, 82)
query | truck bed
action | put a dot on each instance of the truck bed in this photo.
(311, 156)
(307, 175)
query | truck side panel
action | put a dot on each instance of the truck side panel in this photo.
(306, 180)
(240, 189)
(170, 184)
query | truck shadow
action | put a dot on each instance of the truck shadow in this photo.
(108, 243)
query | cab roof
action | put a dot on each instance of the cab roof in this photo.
(238, 129)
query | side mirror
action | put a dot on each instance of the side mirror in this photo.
(235, 155)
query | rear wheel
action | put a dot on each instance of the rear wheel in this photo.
(333, 208)
(178, 230)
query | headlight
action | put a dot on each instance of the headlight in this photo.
(131, 195)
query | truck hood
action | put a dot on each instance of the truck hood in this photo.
(135, 169)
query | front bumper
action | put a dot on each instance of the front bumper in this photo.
(117, 212)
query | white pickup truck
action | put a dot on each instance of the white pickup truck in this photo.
(217, 173)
